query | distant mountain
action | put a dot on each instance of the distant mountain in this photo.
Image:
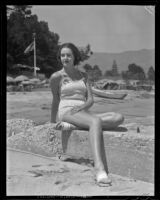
(144, 58)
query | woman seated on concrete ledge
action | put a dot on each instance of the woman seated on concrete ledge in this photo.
(72, 98)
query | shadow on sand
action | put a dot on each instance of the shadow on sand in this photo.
(118, 129)
(81, 160)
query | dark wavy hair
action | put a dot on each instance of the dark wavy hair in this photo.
(75, 51)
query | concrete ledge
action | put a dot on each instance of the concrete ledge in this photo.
(15, 126)
(47, 141)
(43, 140)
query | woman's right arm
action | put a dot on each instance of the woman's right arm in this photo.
(54, 84)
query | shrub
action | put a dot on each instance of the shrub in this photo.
(41, 76)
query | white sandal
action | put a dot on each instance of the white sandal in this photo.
(102, 179)
(65, 126)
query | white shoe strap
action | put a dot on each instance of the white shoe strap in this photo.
(101, 175)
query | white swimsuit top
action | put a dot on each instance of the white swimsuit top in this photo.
(75, 90)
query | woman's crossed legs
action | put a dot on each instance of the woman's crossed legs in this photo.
(95, 123)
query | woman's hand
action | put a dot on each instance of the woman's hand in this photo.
(76, 109)
(85, 106)
(58, 125)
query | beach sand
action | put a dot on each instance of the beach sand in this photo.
(29, 174)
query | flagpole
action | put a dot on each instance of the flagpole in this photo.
(34, 54)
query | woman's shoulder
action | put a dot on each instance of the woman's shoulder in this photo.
(56, 75)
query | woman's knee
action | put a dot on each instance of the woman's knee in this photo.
(119, 118)
(96, 121)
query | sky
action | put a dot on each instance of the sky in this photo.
(107, 28)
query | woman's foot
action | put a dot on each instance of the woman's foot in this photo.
(65, 126)
(102, 179)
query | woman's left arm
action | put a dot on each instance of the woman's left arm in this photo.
(89, 102)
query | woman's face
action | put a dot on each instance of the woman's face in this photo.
(67, 57)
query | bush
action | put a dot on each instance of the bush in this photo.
(9, 88)
(41, 76)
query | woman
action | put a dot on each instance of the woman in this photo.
(72, 98)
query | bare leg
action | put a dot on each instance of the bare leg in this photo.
(110, 119)
(86, 120)
(65, 136)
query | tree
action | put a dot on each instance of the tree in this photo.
(9, 62)
(20, 27)
(97, 73)
(85, 52)
(135, 68)
(94, 73)
(125, 76)
(16, 33)
(151, 74)
(108, 73)
(87, 67)
(24, 10)
(97, 70)
(9, 10)
(114, 68)
(135, 72)
(113, 71)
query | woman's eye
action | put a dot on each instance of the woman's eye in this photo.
(67, 55)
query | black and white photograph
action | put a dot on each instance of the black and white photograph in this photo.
(80, 100)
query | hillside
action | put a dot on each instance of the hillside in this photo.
(144, 58)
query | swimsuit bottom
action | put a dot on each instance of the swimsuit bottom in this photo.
(66, 105)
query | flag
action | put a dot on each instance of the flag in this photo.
(29, 48)
(37, 68)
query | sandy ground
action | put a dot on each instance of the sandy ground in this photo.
(36, 105)
(36, 175)
(129, 154)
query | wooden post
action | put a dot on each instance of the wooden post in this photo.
(34, 35)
